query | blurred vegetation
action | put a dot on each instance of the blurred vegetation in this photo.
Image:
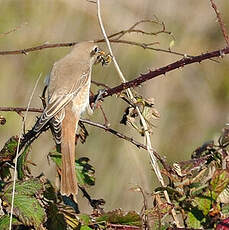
(192, 101)
(198, 190)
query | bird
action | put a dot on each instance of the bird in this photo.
(68, 97)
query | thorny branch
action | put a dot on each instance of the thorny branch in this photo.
(221, 23)
(163, 70)
(160, 71)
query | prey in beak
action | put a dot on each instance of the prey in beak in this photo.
(103, 58)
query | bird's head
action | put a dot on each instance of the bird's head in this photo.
(99, 56)
(90, 51)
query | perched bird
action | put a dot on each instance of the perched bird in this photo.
(68, 97)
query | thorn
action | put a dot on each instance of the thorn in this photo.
(221, 53)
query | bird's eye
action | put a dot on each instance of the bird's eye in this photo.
(96, 49)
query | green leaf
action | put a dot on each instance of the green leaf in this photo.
(5, 222)
(50, 193)
(56, 219)
(26, 207)
(56, 157)
(204, 203)
(197, 189)
(161, 226)
(219, 182)
(7, 154)
(85, 219)
(118, 217)
(21, 163)
(194, 218)
(84, 171)
(28, 210)
(5, 171)
(85, 227)
(9, 149)
(28, 187)
(225, 210)
(171, 44)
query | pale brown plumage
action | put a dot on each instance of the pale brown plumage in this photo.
(68, 97)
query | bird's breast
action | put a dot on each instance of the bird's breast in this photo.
(81, 100)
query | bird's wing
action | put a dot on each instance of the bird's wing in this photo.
(59, 99)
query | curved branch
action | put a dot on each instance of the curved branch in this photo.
(221, 23)
(163, 70)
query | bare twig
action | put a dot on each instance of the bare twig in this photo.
(17, 154)
(122, 136)
(36, 48)
(98, 104)
(20, 109)
(12, 30)
(148, 46)
(144, 214)
(118, 35)
(221, 23)
(95, 204)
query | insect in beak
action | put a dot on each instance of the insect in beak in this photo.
(103, 58)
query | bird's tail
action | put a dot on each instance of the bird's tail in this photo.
(68, 173)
